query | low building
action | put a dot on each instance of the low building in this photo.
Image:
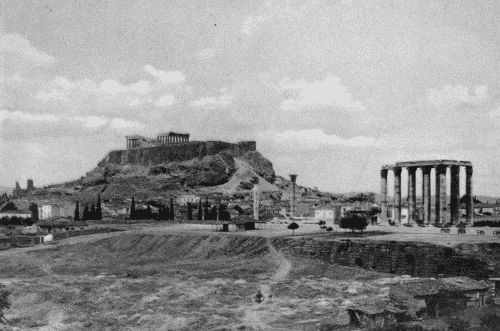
(373, 315)
(325, 214)
(183, 200)
(443, 296)
(15, 213)
(60, 224)
(64, 209)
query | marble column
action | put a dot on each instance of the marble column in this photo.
(455, 194)
(412, 196)
(397, 195)
(383, 191)
(469, 204)
(440, 204)
(426, 193)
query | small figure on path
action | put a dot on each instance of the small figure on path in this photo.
(258, 297)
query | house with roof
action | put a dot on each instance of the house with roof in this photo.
(59, 224)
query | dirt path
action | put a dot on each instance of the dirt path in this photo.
(259, 315)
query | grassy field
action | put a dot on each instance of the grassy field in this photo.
(173, 282)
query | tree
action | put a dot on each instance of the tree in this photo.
(205, 210)
(85, 213)
(172, 213)
(99, 208)
(320, 223)
(189, 212)
(294, 226)
(148, 212)
(199, 214)
(77, 212)
(34, 211)
(354, 222)
(92, 212)
(132, 209)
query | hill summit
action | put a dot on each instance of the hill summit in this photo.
(150, 167)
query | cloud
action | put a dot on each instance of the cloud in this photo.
(165, 100)
(450, 95)
(17, 116)
(206, 54)
(172, 77)
(223, 100)
(92, 122)
(120, 123)
(325, 93)
(271, 12)
(316, 138)
(12, 44)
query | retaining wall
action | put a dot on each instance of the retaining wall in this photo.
(405, 258)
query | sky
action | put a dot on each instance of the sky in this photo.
(330, 90)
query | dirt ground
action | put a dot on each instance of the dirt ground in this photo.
(138, 280)
(181, 277)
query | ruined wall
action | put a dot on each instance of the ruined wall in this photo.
(179, 152)
(416, 259)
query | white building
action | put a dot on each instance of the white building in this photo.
(183, 200)
(324, 214)
(56, 209)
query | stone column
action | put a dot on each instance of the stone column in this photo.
(383, 191)
(455, 194)
(469, 204)
(397, 195)
(426, 193)
(440, 194)
(412, 195)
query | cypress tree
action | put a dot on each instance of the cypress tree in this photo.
(132, 209)
(166, 213)
(172, 213)
(148, 212)
(205, 211)
(199, 215)
(85, 213)
(190, 212)
(99, 209)
(77, 212)
(92, 213)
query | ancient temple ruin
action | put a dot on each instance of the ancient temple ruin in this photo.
(440, 168)
(168, 138)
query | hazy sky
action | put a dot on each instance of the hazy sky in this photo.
(330, 90)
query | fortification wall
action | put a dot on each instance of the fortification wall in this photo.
(404, 258)
(176, 153)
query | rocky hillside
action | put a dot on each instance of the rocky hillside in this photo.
(144, 174)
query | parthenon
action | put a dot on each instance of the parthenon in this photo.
(167, 138)
(440, 168)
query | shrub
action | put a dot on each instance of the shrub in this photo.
(294, 226)
(458, 324)
(353, 222)
(490, 321)
(4, 302)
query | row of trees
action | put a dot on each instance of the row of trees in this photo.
(92, 213)
(205, 211)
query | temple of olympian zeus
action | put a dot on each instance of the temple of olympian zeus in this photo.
(440, 168)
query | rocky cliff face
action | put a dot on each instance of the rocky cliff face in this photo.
(185, 167)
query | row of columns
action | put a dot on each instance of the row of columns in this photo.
(133, 143)
(173, 139)
(440, 203)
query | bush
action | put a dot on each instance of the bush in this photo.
(294, 226)
(458, 324)
(4, 302)
(492, 224)
(353, 222)
(490, 321)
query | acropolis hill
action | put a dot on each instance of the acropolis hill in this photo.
(151, 167)
(172, 147)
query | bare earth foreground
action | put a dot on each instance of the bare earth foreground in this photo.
(178, 278)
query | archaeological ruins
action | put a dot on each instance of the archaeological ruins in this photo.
(137, 141)
(440, 206)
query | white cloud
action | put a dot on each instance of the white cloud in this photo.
(450, 94)
(23, 116)
(17, 46)
(92, 122)
(120, 123)
(223, 100)
(206, 53)
(272, 12)
(172, 77)
(328, 92)
(316, 138)
(165, 100)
